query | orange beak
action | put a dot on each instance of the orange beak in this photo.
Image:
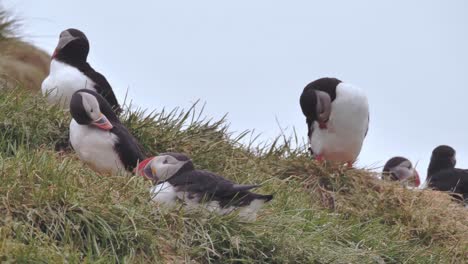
(103, 123)
(55, 53)
(417, 180)
(146, 170)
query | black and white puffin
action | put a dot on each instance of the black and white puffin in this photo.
(442, 174)
(98, 136)
(337, 117)
(69, 72)
(401, 169)
(178, 180)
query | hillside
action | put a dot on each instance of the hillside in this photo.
(56, 210)
(20, 62)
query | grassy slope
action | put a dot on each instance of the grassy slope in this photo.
(20, 62)
(54, 209)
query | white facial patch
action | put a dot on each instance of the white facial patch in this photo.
(403, 171)
(166, 166)
(65, 38)
(91, 106)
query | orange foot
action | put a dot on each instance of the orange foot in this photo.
(319, 158)
(349, 164)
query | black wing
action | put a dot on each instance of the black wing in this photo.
(205, 182)
(103, 87)
(452, 180)
(128, 147)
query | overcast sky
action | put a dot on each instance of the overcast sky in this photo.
(251, 59)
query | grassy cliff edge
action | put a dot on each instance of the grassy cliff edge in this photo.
(55, 210)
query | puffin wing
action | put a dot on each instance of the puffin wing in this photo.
(453, 180)
(209, 184)
(103, 87)
(128, 147)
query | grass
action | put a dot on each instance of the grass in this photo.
(55, 210)
(20, 62)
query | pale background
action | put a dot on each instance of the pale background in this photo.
(251, 59)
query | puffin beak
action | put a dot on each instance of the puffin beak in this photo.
(103, 123)
(55, 53)
(149, 172)
(323, 108)
(146, 170)
(417, 180)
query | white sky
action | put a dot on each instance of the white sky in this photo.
(251, 59)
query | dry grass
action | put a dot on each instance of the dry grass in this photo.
(20, 62)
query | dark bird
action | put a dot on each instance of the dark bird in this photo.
(401, 169)
(337, 117)
(98, 136)
(178, 180)
(70, 72)
(442, 174)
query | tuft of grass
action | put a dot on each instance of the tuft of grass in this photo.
(7, 24)
(20, 62)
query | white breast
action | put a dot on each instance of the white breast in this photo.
(62, 82)
(347, 126)
(164, 193)
(95, 147)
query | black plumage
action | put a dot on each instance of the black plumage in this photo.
(308, 99)
(392, 163)
(208, 186)
(75, 54)
(127, 146)
(442, 174)
(443, 157)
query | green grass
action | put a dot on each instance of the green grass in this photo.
(54, 209)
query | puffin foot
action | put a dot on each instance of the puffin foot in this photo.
(319, 158)
(349, 164)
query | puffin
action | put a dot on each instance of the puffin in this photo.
(337, 117)
(177, 180)
(443, 176)
(98, 136)
(70, 72)
(402, 170)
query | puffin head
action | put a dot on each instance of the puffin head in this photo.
(316, 100)
(165, 166)
(89, 108)
(443, 157)
(73, 46)
(401, 169)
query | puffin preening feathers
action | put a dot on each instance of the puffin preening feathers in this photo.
(69, 72)
(337, 117)
(179, 180)
(98, 136)
(402, 170)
